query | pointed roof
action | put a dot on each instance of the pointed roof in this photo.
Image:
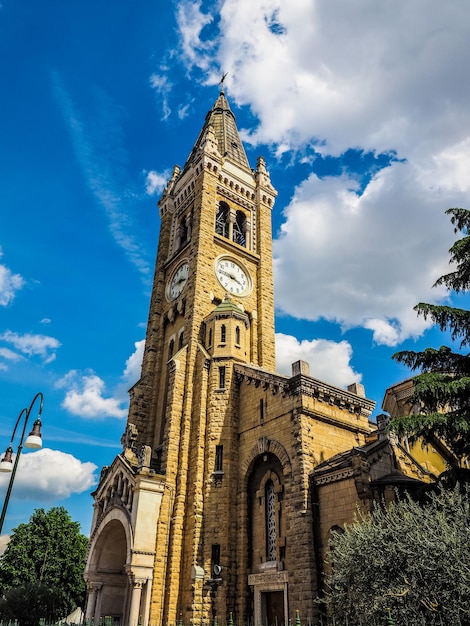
(227, 308)
(223, 123)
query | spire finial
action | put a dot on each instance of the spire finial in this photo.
(221, 82)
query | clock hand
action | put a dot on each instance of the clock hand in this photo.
(231, 276)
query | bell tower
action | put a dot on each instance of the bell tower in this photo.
(215, 245)
(212, 305)
(207, 511)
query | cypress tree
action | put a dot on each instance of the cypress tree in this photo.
(442, 389)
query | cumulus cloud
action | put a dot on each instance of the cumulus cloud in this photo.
(155, 182)
(340, 76)
(57, 475)
(328, 360)
(85, 396)
(134, 363)
(9, 284)
(28, 345)
(346, 74)
(364, 260)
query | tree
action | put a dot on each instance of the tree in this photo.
(442, 389)
(47, 552)
(42, 602)
(408, 557)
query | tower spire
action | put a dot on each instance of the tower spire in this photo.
(224, 126)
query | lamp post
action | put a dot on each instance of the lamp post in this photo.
(33, 440)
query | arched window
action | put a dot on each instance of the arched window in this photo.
(265, 519)
(239, 227)
(221, 219)
(171, 347)
(270, 521)
(180, 340)
(219, 455)
(182, 232)
(222, 377)
(237, 335)
(223, 334)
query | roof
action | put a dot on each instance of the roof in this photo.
(222, 120)
(227, 308)
(344, 459)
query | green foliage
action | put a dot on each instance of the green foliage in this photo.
(32, 602)
(442, 389)
(48, 551)
(412, 559)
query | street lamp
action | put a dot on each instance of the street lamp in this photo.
(33, 440)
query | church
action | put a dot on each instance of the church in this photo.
(231, 475)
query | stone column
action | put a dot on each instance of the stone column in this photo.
(93, 589)
(134, 610)
(145, 614)
(232, 216)
(247, 230)
(97, 615)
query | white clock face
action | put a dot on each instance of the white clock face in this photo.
(232, 276)
(178, 281)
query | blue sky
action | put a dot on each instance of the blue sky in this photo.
(361, 112)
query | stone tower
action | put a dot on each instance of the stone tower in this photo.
(207, 511)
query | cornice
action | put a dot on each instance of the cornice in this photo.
(249, 374)
(334, 476)
(308, 386)
(237, 197)
(302, 385)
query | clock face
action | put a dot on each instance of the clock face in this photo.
(232, 276)
(178, 281)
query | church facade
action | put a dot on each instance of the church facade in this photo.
(210, 510)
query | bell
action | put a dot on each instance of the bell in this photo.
(6, 464)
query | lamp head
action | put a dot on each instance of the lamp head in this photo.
(34, 439)
(6, 464)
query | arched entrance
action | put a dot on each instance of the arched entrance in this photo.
(266, 544)
(106, 574)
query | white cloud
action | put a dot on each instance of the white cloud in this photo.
(353, 75)
(47, 475)
(85, 396)
(9, 355)
(30, 345)
(9, 284)
(162, 87)
(328, 360)
(364, 260)
(155, 182)
(368, 76)
(451, 168)
(132, 370)
(191, 22)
